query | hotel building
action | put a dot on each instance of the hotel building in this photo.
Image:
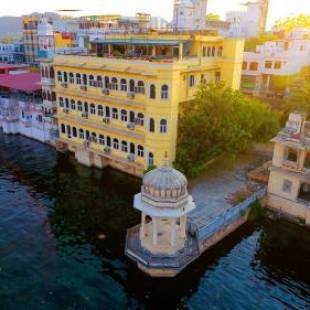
(118, 104)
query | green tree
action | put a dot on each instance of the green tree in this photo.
(289, 23)
(220, 120)
(251, 43)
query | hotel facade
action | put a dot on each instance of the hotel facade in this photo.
(118, 105)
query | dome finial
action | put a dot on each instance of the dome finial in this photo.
(166, 161)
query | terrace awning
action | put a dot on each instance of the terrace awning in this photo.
(27, 82)
(139, 42)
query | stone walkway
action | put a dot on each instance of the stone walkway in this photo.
(223, 178)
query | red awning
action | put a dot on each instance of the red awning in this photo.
(27, 82)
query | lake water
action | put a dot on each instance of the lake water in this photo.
(62, 233)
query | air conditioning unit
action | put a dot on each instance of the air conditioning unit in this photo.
(107, 150)
(83, 87)
(106, 92)
(131, 95)
(106, 120)
(66, 110)
(131, 126)
(131, 157)
(85, 115)
(65, 85)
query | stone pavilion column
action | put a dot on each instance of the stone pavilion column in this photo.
(173, 231)
(155, 230)
(142, 228)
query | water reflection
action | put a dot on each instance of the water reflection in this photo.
(62, 238)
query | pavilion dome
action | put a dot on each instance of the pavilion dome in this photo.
(164, 184)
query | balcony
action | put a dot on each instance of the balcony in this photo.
(105, 125)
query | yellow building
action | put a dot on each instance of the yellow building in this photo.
(118, 105)
(30, 38)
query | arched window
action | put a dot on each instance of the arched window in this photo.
(124, 146)
(108, 141)
(163, 126)
(49, 96)
(63, 128)
(115, 144)
(213, 51)
(152, 125)
(74, 132)
(106, 82)
(91, 80)
(107, 111)
(100, 110)
(86, 107)
(204, 51)
(153, 91)
(53, 96)
(140, 119)
(114, 83)
(78, 79)
(244, 65)
(92, 109)
(253, 66)
(65, 77)
(42, 71)
(81, 134)
(140, 89)
(132, 85)
(140, 151)
(52, 73)
(114, 113)
(99, 81)
(44, 95)
(220, 51)
(209, 51)
(85, 79)
(151, 159)
(61, 102)
(72, 104)
(46, 72)
(124, 115)
(80, 106)
(123, 85)
(59, 76)
(71, 78)
(101, 139)
(94, 137)
(69, 131)
(67, 103)
(164, 92)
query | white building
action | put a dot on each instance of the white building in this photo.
(24, 115)
(282, 58)
(7, 53)
(249, 22)
(189, 15)
(289, 181)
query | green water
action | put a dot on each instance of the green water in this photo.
(62, 233)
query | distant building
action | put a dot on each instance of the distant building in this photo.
(289, 182)
(12, 53)
(249, 22)
(273, 60)
(118, 104)
(30, 38)
(189, 15)
(21, 109)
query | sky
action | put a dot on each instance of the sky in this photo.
(163, 8)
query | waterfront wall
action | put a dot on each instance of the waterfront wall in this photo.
(225, 223)
(290, 208)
